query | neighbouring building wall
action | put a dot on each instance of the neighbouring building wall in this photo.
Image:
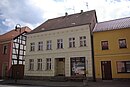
(5, 59)
(117, 53)
(66, 52)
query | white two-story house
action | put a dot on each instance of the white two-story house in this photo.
(61, 47)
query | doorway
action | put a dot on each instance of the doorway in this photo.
(4, 70)
(106, 70)
(60, 66)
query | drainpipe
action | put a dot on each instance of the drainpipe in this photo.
(93, 64)
(92, 48)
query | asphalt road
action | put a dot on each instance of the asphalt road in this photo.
(19, 86)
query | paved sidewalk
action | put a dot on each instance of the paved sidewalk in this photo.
(43, 83)
(68, 83)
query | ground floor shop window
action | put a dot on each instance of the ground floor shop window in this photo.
(78, 66)
(123, 66)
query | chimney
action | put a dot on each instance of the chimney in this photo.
(66, 14)
(81, 11)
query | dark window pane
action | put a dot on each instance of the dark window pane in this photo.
(122, 43)
(104, 45)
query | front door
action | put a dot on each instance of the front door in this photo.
(4, 70)
(60, 66)
(106, 70)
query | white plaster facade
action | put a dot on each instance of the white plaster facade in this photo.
(66, 52)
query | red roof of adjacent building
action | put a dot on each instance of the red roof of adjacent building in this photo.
(13, 33)
(112, 25)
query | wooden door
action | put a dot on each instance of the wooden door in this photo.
(4, 70)
(61, 67)
(18, 71)
(106, 70)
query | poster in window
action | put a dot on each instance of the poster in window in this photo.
(78, 66)
(122, 43)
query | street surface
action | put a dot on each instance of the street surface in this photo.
(42, 83)
(19, 86)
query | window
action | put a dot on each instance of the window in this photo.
(31, 64)
(59, 43)
(5, 49)
(32, 46)
(82, 41)
(49, 43)
(78, 66)
(39, 64)
(104, 45)
(40, 46)
(71, 42)
(122, 43)
(123, 66)
(48, 64)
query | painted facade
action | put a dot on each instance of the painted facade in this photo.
(112, 49)
(59, 52)
(10, 43)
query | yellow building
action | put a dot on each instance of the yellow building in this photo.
(112, 49)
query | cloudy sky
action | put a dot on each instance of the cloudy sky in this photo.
(31, 13)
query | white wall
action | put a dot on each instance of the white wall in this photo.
(66, 52)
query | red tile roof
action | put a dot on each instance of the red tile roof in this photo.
(12, 34)
(67, 21)
(112, 24)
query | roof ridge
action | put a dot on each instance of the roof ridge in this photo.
(71, 14)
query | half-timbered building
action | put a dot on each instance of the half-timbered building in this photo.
(12, 52)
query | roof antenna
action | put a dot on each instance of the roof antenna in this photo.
(73, 9)
(87, 4)
(69, 8)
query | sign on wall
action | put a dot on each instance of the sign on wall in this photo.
(78, 66)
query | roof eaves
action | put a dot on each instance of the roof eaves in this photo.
(56, 28)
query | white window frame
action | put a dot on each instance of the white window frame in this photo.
(31, 64)
(5, 49)
(49, 45)
(71, 42)
(59, 43)
(83, 41)
(39, 64)
(40, 46)
(123, 66)
(48, 63)
(32, 46)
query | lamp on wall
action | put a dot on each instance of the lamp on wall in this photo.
(18, 27)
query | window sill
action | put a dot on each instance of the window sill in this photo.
(39, 70)
(104, 49)
(83, 46)
(60, 48)
(48, 70)
(48, 49)
(30, 70)
(4, 54)
(39, 50)
(32, 51)
(123, 48)
(71, 47)
(123, 72)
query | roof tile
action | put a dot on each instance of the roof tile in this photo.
(112, 24)
(66, 21)
(12, 34)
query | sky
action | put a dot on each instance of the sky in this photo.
(32, 13)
